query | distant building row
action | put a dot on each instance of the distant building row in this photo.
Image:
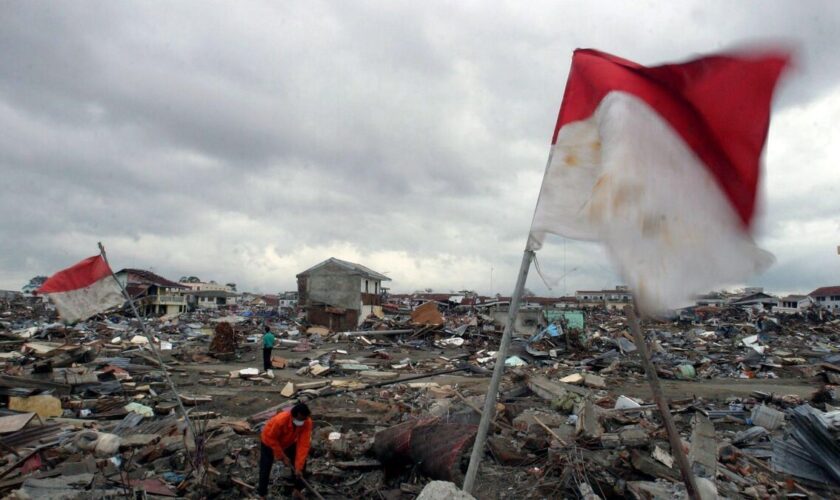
(827, 297)
(156, 295)
(341, 295)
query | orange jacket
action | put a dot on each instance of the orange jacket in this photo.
(279, 433)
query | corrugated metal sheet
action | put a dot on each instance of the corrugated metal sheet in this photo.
(118, 362)
(163, 427)
(811, 434)
(127, 424)
(790, 458)
(32, 435)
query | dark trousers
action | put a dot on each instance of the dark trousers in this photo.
(266, 358)
(267, 460)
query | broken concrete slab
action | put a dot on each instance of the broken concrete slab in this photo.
(703, 452)
(663, 456)
(646, 465)
(610, 440)
(443, 490)
(594, 381)
(288, 390)
(587, 379)
(633, 436)
(587, 424)
(319, 370)
(547, 389)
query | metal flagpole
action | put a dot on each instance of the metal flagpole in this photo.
(490, 398)
(151, 340)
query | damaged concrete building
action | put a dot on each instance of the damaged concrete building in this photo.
(340, 294)
(154, 295)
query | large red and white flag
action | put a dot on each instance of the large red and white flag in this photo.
(661, 164)
(83, 290)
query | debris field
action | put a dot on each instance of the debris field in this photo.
(87, 413)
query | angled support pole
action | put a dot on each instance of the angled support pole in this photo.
(150, 337)
(492, 391)
(664, 409)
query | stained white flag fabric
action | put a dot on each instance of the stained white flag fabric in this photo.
(85, 289)
(661, 165)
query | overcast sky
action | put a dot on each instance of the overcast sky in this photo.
(247, 141)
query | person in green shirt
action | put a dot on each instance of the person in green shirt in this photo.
(268, 344)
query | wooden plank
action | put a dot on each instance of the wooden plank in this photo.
(14, 423)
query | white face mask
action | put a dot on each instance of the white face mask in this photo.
(297, 422)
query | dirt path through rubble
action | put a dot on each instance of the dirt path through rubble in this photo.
(718, 388)
(244, 401)
(241, 401)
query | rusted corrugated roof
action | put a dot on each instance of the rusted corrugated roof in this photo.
(143, 276)
(825, 291)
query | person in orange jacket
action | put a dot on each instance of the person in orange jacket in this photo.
(285, 437)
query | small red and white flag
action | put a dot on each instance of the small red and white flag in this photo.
(661, 164)
(83, 290)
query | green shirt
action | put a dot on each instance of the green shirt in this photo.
(268, 340)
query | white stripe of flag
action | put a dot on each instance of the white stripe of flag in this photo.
(83, 290)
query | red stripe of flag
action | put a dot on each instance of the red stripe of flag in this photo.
(719, 105)
(81, 275)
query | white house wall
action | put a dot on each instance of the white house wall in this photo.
(827, 303)
(364, 313)
(369, 286)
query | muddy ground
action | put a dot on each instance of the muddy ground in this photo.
(242, 399)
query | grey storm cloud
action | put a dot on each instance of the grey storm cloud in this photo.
(246, 141)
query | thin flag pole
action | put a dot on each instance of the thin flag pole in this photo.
(490, 398)
(493, 389)
(150, 338)
(664, 409)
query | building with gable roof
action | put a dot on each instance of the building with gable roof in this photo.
(339, 294)
(153, 294)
